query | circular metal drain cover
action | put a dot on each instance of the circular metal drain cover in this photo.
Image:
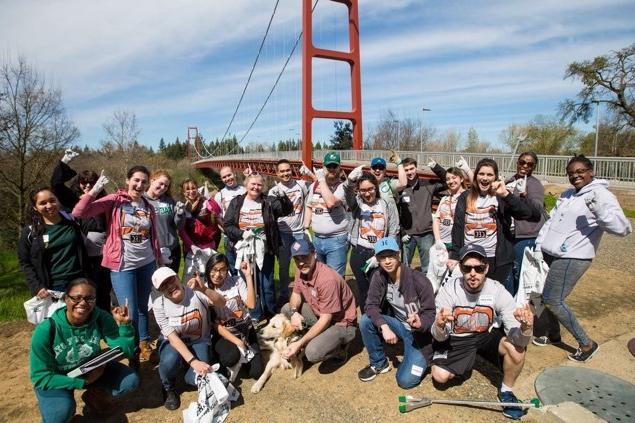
(606, 396)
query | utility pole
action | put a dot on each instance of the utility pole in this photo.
(398, 134)
(423, 111)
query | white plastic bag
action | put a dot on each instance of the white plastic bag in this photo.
(533, 273)
(38, 309)
(438, 265)
(214, 396)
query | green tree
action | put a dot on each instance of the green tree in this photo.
(342, 139)
(474, 144)
(161, 145)
(609, 78)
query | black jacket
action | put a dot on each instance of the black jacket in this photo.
(273, 207)
(417, 294)
(415, 203)
(68, 197)
(31, 256)
(508, 207)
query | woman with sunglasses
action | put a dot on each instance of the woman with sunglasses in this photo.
(51, 248)
(71, 337)
(569, 241)
(182, 313)
(252, 218)
(373, 218)
(530, 190)
(237, 337)
(93, 228)
(443, 219)
(202, 223)
(170, 216)
(131, 250)
(483, 216)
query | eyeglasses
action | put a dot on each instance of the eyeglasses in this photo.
(480, 268)
(378, 167)
(366, 191)
(76, 299)
(219, 271)
(524, 163)
(578, 172)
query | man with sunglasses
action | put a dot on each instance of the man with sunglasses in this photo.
(325, 213)
(477, 315)
(531, 191)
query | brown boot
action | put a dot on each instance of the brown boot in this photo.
(145, 350)
(98, 401)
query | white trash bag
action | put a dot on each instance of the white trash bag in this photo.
(533, 274)
(38, 309)
(215, 394)
(438, 265)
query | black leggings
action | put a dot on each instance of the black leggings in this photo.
(228, 355)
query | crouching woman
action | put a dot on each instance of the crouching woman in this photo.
(70, 338)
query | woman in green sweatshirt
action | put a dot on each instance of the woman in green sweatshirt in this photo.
(72, 337)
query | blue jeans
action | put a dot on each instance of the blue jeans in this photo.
(511, 284)
(332, 250)
(58, 405)
(170, 363)
(562, 277)
(284, 259)
(135, 285)
(424, 243)
(265, 290)
(412, 368)
(230, 253)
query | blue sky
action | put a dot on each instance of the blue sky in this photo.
(481, 64)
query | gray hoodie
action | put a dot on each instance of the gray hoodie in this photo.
(579, 220)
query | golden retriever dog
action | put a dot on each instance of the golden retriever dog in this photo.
(273, 339)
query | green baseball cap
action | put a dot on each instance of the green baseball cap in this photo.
(331, 158)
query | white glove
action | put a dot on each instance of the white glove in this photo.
(370, 264)
(462, 164)
(405, 238)
(439, 245)
(248, 234)
(99, 185)
(590, 201)
(521, 185)
(355, 173)
(68, 156)
(304, 170)
(432, 163)
(394, 157)
(319, 175)
(166, 255)
(274, 190)
(179, 208)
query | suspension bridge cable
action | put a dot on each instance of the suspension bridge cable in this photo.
(275, 84)
(253, 67)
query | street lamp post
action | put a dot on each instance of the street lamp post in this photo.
(398, 134)
(597, 127)
(423, 111)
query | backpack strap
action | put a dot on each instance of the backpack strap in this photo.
(52, 330)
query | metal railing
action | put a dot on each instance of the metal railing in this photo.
(618, 170)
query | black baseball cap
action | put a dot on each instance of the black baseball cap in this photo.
(472, 249)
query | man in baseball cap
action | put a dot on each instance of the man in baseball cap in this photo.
(400, 305)
(331, 158)
(323, 302)
(467, 309)
(388, 187)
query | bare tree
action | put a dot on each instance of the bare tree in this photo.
(122, 137)
(34, 129)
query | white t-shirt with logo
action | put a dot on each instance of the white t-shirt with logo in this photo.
(234, 315)
(189, 318)
(372, 224)
(135, 228)
(293, 223)
(480, 224)
(445, 215)
(250, 215)
(325, 221)
(226, 195)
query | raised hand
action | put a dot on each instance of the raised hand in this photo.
(443, 316)
(356, 173)
(247, 171)
(432, 163)
(304, 170)
(525, 316)
(99, 185)
(196, 283)
(414, 320)
(463, 165)
(320, 175)
(68, 156)
(121, 315)
(394, 157)
(499, 188)
(521, 186)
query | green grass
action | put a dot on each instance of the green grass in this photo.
(629, 213)
(550, 201)
(13, 290)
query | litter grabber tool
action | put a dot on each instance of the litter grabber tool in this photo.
(408, 403)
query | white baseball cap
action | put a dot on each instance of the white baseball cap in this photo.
(161, 275)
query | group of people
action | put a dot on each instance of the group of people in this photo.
(85, 242)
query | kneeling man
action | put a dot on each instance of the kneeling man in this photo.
(323, 302)
(470, 312)
(400, 305)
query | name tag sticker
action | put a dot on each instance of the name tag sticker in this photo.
(416, 370)
(486, 300)
(45, 238)
(406, 198)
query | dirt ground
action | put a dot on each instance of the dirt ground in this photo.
(604, 301)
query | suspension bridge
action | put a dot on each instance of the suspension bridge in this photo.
(620, 171)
